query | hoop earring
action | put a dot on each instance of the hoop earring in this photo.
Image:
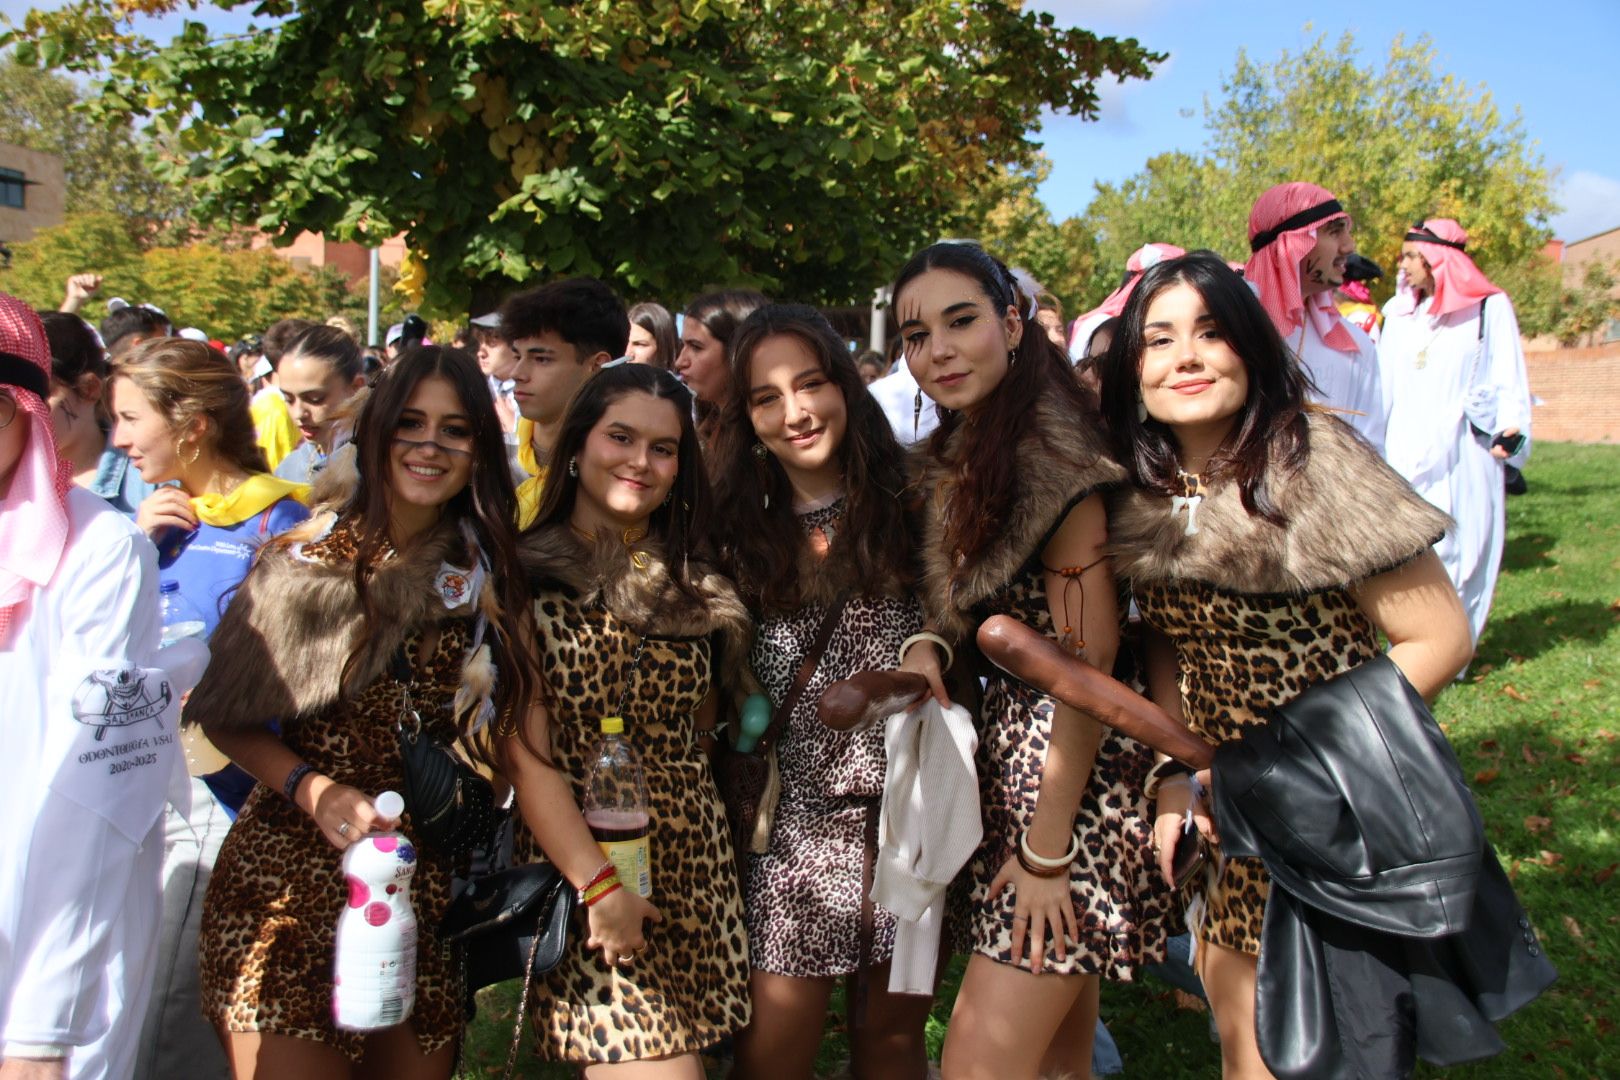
(196, 452)
(573, 466)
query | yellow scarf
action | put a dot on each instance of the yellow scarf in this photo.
(273, 425)
(528, 492)
(252, 496)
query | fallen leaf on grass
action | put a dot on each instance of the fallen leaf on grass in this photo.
(1515, 693)
(1489, 746)
(1547, 858)
(1485, 776)
(1536, 823)
(1602, 876)
(1604, 733)
(1575, 759)
(1605, 1026)
(1574, 928)
(1529, 755)
(1591, 684)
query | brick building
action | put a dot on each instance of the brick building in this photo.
(310, 250)
(33, 191)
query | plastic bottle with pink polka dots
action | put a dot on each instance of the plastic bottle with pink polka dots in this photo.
(374, 984)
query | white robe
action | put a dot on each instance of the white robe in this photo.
(82, 802)
(1441, 375)
(896, 393)
(1349, 382)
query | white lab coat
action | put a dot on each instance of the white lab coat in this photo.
(82, 801)
(1441, 375)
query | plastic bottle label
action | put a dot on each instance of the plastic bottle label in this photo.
(631, 858)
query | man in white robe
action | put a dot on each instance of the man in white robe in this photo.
(1301, 238)
(1460, 400)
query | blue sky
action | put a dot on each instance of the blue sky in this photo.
(1554, 61)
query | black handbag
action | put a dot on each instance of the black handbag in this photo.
(510, 923)
(452, 807)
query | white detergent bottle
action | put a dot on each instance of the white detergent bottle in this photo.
(374, 984)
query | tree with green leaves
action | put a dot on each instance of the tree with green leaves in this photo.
(1398, 142)
(802, 146)
(104, 163)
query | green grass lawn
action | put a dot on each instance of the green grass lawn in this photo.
(1535, 728)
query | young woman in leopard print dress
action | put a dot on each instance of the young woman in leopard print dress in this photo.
(375, 605)
(1060, 890)
(1267, 547)
(632, 622)
(809, 481)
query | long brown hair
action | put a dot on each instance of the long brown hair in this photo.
(985, 469)
(760, 544)
(487, 504)
(187, 381)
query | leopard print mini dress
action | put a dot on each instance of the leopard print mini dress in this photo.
(1241, 655)
(1123, 904)
(267, 942)
(689, 988)
(804, 893)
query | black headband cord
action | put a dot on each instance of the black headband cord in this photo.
(1309, 216)
(16, 371)
(1424, 236)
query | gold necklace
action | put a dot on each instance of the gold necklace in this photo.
(630, 537)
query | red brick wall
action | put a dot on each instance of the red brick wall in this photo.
(1580, 391)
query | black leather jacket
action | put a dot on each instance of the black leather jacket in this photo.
(1391, 932)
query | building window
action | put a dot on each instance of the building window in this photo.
(12, 189)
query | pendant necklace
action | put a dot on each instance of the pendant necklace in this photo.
(1191, 497)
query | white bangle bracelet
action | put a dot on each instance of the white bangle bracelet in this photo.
(929, 635)
(1042, 861)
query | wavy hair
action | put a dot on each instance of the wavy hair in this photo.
(1271, 429)
(187, 381)
(760, 544)
(985, 470)
(487, 504)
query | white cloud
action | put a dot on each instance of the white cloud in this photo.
(1591, 205)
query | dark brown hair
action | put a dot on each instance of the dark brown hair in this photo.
(486, 505)
(1271, 429)
(657, 321)
(682, 523)
(760, 544)
(986, 468)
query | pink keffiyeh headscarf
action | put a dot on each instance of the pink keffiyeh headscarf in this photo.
(1458, 282)
(1143, 257)
(33, 514)
(1282, 231)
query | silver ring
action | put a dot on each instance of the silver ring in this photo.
(343, 828)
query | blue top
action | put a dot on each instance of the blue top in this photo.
(302, 464)
(208, 563)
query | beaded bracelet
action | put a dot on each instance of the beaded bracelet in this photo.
(289, 786)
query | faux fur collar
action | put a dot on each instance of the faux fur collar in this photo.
(281, 646)
(602, 574)
(1350, 516)
(1060, 458)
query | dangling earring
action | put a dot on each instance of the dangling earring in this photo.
(760, 453)
(573, 466)
(916, 412)
(1012, 358)
(668, 495)
(1141, 410)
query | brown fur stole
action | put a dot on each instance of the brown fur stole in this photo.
(280, 648)
(601, 574)
(1060, 458)
(1350, 516)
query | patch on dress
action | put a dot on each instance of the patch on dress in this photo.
(456, 586)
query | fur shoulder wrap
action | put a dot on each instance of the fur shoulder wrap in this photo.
(1350, 517)
(1060, 458)
(603, 574)
(280, 649)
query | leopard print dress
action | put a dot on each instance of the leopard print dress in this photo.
(271, 912)
(1122, 901)
(804, 893)
(689, 989)
(1241, 654)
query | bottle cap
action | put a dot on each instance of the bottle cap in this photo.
(169, 587)
(389, 804)
(613, 725)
